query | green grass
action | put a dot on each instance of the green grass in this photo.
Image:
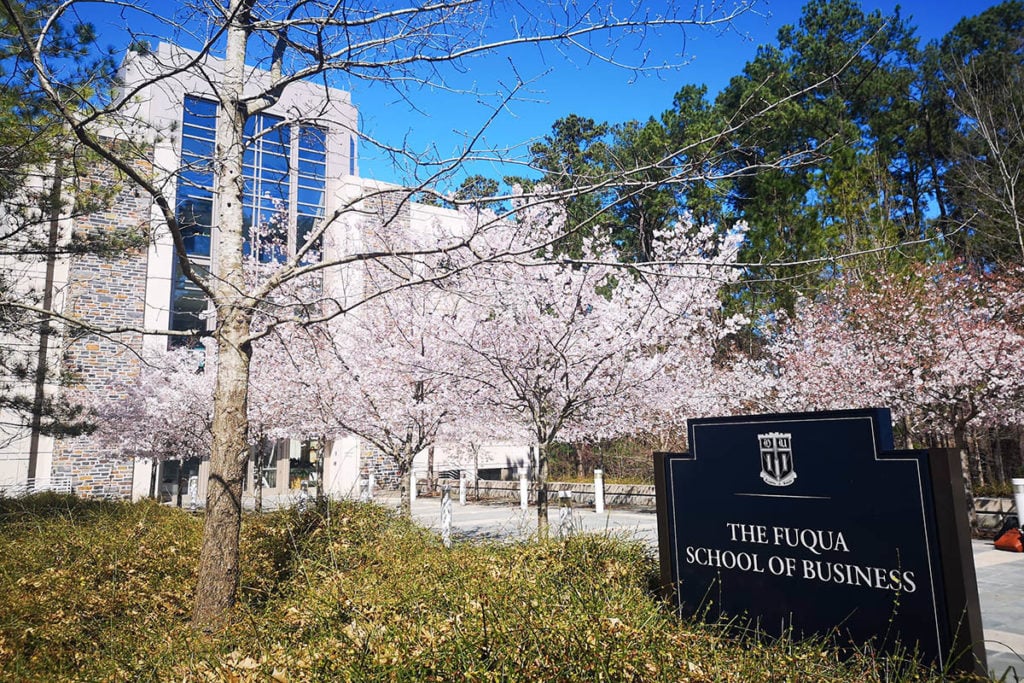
(102, 591)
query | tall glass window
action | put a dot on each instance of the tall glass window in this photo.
(266, 170)
(195, 181)
(284, 171)
(312, 172)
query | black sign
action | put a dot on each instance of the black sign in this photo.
(812, 524)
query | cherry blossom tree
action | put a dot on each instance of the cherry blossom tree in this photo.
(395, 372)
(943, 345)
(570, 349)
(167, 414)
(168, 410)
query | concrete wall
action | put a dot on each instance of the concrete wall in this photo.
(619, 495)
(991, 512)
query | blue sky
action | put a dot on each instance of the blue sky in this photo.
(560, 84)
(572, 84)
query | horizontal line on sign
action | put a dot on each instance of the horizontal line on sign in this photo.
(780, 495)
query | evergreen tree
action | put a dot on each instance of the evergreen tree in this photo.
(835, 90)
(40, 165)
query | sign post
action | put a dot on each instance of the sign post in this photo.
(811, 524)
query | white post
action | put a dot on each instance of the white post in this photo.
(446, 516)
(412, 486)
(364, 489)
(462, 488)
(371, 483)
(524, 491)
(193, 492)
(599, 492)
(564, 513)
(1018, 498)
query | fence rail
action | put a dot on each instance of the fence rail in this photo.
(37, 485)
(583, 494)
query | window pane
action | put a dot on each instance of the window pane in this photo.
(195, 183)
(274, 161)
(310, 198)
(274, 197)
(195, 218)
(310, 172)
(270, 178)
(247, 222)
(200, 112)
(313, 139)
(269, 121)
(197, 146)
(188, 303)
(275, 140)
(303, 228)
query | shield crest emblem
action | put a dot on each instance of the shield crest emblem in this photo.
(777, 458)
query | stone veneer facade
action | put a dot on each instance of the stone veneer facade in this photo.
(381, 466)
(108, 292)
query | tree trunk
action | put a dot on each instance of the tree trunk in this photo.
(431, 482)
(960, 443)
(257, 480)
(908, 439)
(321, 496)
(999, 456)
(541, 484)
(264, 453)
(971, 458)
(476, 471)
(1018, 467)
(218, 571)
(46, 324)
(404, 487)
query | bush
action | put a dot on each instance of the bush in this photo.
(102, 591)
(93, 589)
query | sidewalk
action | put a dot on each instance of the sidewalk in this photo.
(1000, 574)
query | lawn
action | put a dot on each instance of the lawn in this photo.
(102, 591)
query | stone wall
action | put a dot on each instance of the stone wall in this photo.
(381, 466)
(105, 292)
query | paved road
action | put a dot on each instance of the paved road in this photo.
(1000, 574)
